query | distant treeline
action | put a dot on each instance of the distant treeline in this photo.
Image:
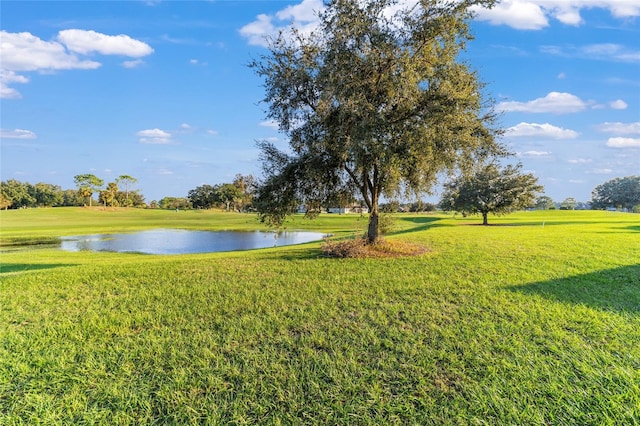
(618, 194)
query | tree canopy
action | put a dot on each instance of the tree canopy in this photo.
(622, 193)
(491, 189)
(87, 184)
(375, 102)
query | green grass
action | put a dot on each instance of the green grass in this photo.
(514, 324)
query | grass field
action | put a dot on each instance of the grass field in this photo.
(535, 321)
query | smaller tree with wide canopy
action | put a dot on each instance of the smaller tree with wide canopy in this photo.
(491, 189)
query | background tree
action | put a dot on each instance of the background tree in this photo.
(229, 195)
(374, 103)
(247, 186)
(71, 197)
(133, 198)
(4, 202)
(174, 203)
(203, 197)
(46, 194)
(491, 189)
(88, 184)
(109, 194)
(568, 203)
(126, 182)
(545, 202)
(18, 193)
(621, 193)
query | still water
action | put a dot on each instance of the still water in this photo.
(175, 241)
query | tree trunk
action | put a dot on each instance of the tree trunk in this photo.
(372, 232)
(484, 218)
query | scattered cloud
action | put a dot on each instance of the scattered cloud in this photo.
(24, 52)
(534, 154)
(212, 132)
(85, 42)
(562, 76)
(545, 130)
(17, 134)
(554, 102)
(620, 142)
(601, 51)
(580, 161)
(601, 171)
(518, 14)
(8, 77)
(618, 128)
(271, 124)
(535, 14)
(618, 104)
(133, 64)
(302, 16)
(154, 136)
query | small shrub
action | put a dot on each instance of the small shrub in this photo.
(386, 223)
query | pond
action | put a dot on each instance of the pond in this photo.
(176, 241)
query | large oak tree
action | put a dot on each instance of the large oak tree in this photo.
(375, 102)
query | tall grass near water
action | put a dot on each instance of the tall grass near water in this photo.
(517, 323)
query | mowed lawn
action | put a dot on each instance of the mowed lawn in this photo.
(535, 320)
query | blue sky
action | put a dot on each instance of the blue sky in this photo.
(161, 91)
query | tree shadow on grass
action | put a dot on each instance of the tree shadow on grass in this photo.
(422, 223)
(12, 268)
(615, 289)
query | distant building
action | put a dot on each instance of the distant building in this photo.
(354, 208)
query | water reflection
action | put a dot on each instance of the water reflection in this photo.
(174, 241)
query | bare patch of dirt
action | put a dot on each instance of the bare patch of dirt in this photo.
(361, 249)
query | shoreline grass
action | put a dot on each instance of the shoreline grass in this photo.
(519, 324)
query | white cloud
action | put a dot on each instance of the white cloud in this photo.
(271, 123)
(23, 52)
(17, 134)
(602, 51)
(545, 130)
(620, 142)
(154, 136)
(602, 171)
(302, 16)
(618, 104)
(7, 77)
(580, 161)
(212, 132)
(535, 14)
(133, 64)
(83, 41)
(185, 126)
(618, 128)
(518, 14)
(534, 154)
(26, 52)
(554, 102)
